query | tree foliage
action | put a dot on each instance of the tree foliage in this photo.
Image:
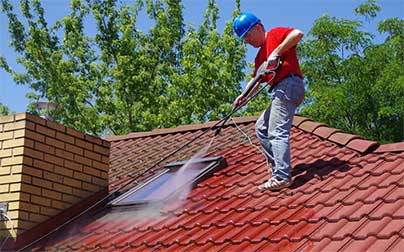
(122, 79)
(354, 84)
(4, 110)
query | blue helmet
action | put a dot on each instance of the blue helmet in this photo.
(243, 23)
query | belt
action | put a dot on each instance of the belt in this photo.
(287, 76)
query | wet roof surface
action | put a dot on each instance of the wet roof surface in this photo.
(347, 195)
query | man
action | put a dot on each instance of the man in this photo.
(273, 126)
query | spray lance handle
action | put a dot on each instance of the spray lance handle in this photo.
(261, 72)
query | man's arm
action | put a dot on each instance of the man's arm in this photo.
(290, 41)
(241, 99)
(251, 87)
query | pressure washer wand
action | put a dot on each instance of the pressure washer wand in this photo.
(247, 91)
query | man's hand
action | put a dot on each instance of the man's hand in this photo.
(263, 68)
(240, 100)
(271, 61)
(273, 58)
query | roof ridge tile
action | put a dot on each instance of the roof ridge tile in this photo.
(310, 126)
(297, 120)
(360, 144)
(354, 142)
(325, 131)
(391, 147)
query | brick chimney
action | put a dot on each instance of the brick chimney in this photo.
(46, 168)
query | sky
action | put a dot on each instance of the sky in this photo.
(299, 14)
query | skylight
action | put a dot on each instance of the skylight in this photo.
(170, 181)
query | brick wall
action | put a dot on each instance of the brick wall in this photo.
(45, 168)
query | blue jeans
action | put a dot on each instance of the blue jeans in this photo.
(273, 126)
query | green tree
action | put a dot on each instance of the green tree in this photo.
(353, 84)
(4, 110)
(211, 70)
(122, 79)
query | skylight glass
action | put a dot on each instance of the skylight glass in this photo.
(167, 183)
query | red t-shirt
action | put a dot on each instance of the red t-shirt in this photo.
(290, 62)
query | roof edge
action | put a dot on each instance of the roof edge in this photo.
(354, 142)
(179, 129)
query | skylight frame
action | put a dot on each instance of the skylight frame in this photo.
(213, 164)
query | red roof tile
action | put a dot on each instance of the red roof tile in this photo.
(310, 126)
(342, 138)
(297, 120)
(394, 147)
(362, 145)
(347, 195)
(325, 132)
